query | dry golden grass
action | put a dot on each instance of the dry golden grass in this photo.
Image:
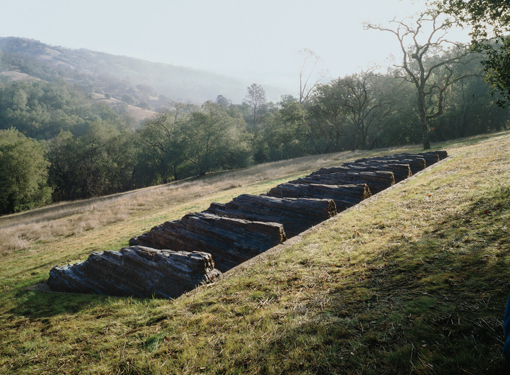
(63, 220)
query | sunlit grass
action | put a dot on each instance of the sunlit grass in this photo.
(413, 280)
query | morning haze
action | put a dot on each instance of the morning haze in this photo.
(234, 187)
(245, 41)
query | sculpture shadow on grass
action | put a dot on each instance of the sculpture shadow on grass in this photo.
(434, 305)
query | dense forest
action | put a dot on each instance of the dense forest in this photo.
(57, 143)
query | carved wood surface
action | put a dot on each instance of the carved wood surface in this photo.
(296, 214)
(344, 195)
(136, 271)
(376, 181)
(415, 164)
(231, 241)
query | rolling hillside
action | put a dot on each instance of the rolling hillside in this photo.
(412, 280)
(155, 83)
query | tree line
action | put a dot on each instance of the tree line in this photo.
(57, 144)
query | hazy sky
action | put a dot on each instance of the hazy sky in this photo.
(254, 40)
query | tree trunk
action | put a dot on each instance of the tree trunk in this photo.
(355, 143)
(176, 176)
(425, 136)
(423, 119)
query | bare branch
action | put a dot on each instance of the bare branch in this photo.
(431, 78)
(306, 70)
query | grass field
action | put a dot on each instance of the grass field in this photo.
(412, 281)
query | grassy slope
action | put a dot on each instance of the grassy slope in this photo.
(413, 281)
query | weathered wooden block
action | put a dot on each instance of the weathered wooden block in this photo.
(230, 241)
(296, 214)
(416, 164)
(344, 196)
(376, 181)
(136, 271)
(400, 171)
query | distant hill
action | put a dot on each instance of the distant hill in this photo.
(134, 81)
(137, 113)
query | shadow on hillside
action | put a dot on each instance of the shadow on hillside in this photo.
(39, 305)
(430, 307)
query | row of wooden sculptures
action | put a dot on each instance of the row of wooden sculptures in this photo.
(176, 256)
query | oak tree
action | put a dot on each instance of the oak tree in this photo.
(490, 22)
(424, 64)
(23, 173)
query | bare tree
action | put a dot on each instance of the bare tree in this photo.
(306, 71)
(256, 99)
(420, 65)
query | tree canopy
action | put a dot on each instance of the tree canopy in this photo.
(490, 22)
(426, 64)
(55, 140)
(23, 173)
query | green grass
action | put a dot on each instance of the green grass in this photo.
(415, 280)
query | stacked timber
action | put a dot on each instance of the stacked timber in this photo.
(400, 171)
(296, 214)
(430, 157)
(230, 241)
(415, 164)
(136, 271)
(174, 257)
(344, 196)
(414, 160)
(442, 154)
(376, 181)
